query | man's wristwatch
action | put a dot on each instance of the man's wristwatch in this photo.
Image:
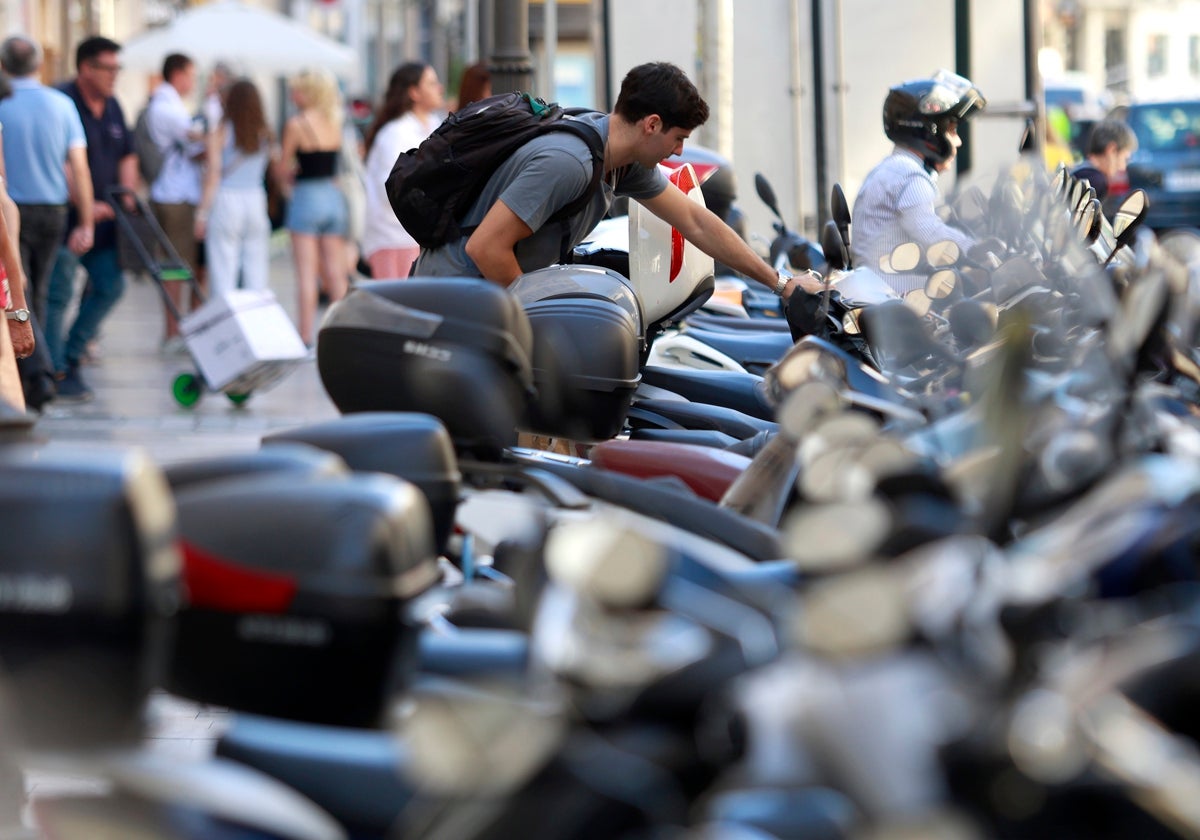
(781, 284)
(20, 315)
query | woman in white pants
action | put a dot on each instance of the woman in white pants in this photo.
(232, 216)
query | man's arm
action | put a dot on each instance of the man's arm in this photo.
(80, 239)
(706, 231)
(10, 258)
(491, 245)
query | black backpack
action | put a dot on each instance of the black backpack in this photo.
(433, 186)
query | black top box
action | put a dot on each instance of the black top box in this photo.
(297, 460)
(414, 447)
(89, 579)
(456, 348)
(297, 594)
(587, 342)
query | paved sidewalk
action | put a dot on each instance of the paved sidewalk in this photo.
(132, 380)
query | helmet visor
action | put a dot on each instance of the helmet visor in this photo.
(951, 95)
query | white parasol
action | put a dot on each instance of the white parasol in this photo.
(256, 39)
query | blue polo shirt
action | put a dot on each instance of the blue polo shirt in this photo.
(108, 141)
(40, 125)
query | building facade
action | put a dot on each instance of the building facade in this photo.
(1137, 49)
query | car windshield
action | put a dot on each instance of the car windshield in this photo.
(1169, 127)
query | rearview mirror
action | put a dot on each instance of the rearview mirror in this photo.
(1090, 221)
(944, 253)
(763, 187)
(941, 284)
(1029, 138)
(834, 248)
(1058, 185)
(905, 257)
(841, 215)
(919, 302)
(1127, 220)
(806, 364)
(1129, 215)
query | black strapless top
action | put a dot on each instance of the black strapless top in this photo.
(322, 164)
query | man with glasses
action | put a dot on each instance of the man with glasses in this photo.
(111, 160)
(897, 200)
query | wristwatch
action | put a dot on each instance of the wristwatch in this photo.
(781, 284)
(20, 315)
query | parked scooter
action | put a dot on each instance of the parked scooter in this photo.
(984, 624)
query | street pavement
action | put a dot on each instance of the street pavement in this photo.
(133, 407)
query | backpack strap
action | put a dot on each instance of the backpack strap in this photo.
(563, 216)
(595, 145)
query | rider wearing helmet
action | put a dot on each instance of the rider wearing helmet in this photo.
(897, 199)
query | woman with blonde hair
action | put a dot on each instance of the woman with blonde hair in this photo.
(232, 215)
(410, 110)
(316, 212)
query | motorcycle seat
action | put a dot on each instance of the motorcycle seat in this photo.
(742, 392)
(688, 415)
(695, 437)
(353, 774)
(708, 321)
(747, 348)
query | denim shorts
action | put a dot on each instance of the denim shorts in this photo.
(317, 207)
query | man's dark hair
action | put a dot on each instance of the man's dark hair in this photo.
(20, 55)
(661, 88)
(1110, 131)
(173, 63)
(90, 48)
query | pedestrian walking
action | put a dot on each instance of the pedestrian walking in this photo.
(42, 133)
(111, 162)
(410, 110)
(232, 215)
(317, 216)
(176, 191)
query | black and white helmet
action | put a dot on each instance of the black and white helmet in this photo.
(916, 114)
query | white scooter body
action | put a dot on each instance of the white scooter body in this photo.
(677, 349)
(665, 269)
(668, 274)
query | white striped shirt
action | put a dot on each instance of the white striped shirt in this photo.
(896, 205)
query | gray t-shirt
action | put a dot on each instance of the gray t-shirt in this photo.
(543, 176)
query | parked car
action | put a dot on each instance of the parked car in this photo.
(1167, 161)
